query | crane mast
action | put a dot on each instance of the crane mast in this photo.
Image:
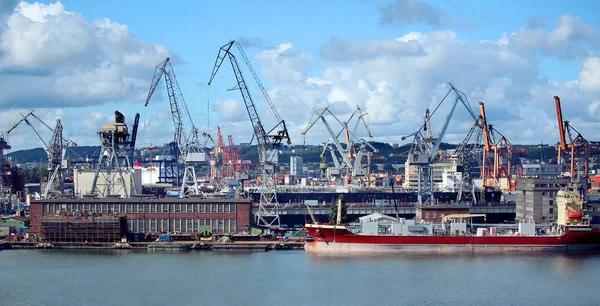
(188, 149)
(56, 152)
(268, 214)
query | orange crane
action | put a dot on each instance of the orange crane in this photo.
(496, 156)
(575, 152)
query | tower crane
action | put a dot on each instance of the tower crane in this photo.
(268, 141)
(575, 152)
(186, 143)
(56, 151)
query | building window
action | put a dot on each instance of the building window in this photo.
(551, 210)
(196, 208)
(433, 214)
(427, 215)
(551, 202)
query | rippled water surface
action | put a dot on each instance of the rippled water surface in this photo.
(75, 277)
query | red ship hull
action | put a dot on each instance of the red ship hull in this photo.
(338, 239)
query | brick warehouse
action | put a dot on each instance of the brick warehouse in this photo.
(149, 215)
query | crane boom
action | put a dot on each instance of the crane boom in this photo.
(486, 134)
(265, 142)
(561, 128)
(268, 213)
(258, 82)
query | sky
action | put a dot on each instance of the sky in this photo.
(79, 61)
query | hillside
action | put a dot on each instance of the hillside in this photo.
(387, 154)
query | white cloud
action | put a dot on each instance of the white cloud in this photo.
(570, 39)
(349, 50)
(53, 57)
(589, 77)
(396, 90)
(230, 110)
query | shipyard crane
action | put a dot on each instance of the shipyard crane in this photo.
(425, 147)
(466, 156)
(56, 151)
(351, 160)
(496, 155)
(186, 141)
(268, 141)
(575, 152)
(115, 145)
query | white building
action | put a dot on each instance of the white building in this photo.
(83, 181)
(297, 166)
(411, 178)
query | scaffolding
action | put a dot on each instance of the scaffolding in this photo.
(75, 229)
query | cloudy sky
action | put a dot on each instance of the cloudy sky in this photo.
(79, 61)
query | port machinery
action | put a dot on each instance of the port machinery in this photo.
(186, 148)
(56, 151)
(268, 141)
(352, 153)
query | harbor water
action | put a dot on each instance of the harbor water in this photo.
(125, 277)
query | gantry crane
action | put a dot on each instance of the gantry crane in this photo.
(575, 152)
(186, 143)
(350, 155)
(425, 147)
(56, 150)
(268, 142)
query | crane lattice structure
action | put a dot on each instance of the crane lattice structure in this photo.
(575, 153)
(425, 148)
(115, 141)
(186, 148)
(351, 153)
(497, 152)
(268, 141)
(56, 152)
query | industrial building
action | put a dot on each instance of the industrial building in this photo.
(536, 199)
(150, 215)
(131, 181)
(439, 171)
(543, 171)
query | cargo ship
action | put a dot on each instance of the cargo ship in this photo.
(572, 231)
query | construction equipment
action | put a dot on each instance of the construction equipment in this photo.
(268, 142)
(56, 151)
(185, 149)
(575, 152)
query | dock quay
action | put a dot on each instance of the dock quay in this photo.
(261, 246)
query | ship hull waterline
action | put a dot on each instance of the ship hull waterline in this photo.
(329, 239)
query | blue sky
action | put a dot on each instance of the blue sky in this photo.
(291, 58)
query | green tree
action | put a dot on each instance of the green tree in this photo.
(334, 210)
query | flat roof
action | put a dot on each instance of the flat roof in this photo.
(142, 200)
